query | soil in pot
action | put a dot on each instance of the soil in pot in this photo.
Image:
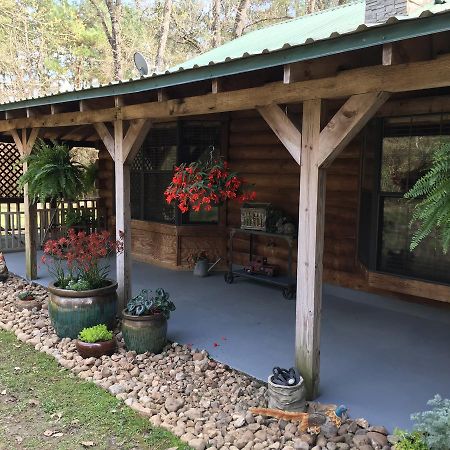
(71, 311)
(96, 349)
(144, 333)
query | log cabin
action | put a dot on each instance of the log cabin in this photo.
(331, 116)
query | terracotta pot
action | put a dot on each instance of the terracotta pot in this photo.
(144, 333)
(96, 349)
(71, 311)
(27, 304)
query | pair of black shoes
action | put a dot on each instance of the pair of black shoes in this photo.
(285, 377)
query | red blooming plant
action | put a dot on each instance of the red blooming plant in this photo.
(200, 186)
(76, 261)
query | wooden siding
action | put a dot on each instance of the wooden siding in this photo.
(257, 154)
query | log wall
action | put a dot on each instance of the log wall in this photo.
(257, 154)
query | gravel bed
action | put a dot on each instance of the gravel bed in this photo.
(202, 401)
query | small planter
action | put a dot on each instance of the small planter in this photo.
(144, 333)
(28, 304)
(96, 349)
(286, 398)
(71, 311)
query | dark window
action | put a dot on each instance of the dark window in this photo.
(151, 170)
(405, 153)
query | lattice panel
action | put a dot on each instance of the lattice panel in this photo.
(10, 171)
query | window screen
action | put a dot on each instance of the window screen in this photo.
(152, 168)
(406, 152)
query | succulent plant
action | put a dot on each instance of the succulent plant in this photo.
(97, 333)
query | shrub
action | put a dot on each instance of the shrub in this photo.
(98, 333)
(410, 441)
(435, 424)
(146, 305)
(25, 295)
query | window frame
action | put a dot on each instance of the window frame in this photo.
(374, 136)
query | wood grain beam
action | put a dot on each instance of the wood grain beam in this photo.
(285, 130)
(105, 136)
(134, 138)
(397, 78)
(346, 124)
(310, 251)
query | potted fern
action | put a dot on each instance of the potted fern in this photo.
(96, 341)
(53, 175)
(144, 325)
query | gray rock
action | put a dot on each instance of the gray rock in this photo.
(377, 439)
(116, 389)
(173, 404)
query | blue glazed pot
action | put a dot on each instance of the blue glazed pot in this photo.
(144, 333)
(71, 311)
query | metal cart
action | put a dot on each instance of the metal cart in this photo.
(286, 282)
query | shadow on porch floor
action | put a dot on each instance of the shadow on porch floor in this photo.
(382, 357)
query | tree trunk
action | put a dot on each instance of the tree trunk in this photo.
(241, 17)
(310, 6)
(216, 37)
(115, 10)
(163, 35)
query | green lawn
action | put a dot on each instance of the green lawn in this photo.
(43, 406)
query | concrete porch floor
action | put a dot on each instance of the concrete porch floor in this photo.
(382, 357)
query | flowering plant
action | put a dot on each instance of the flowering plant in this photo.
(203, 185)
(75, 261)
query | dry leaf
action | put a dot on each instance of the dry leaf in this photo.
(57, 434)
(48, 433)
(3, 392)
(88, 444)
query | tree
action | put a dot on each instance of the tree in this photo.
(163, 35)
(216, 24)
(241, 17)
(111, 21)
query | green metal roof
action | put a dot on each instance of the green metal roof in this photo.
(313, 27)
(324, 33)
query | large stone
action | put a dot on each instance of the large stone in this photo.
(173, 404)
(197, 444)
(377, 439)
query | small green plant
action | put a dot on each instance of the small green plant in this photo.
(98, 333)
(410, 441)
(78, 285)
(25, 295)
(435, 423)
(146, 305)
(79, 217)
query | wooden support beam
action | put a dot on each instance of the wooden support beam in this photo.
(216, 86)
(25, 143)
(162, 95)
(134, 138)
(310, 251)
(285, 130)
(393, 54)
(397, 78)
(346, 124)
(105, 136)
(123, 217)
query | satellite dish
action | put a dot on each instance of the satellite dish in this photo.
(141, 64)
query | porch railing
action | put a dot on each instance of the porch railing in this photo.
(50, 222)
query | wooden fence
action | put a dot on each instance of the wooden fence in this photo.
(51, 222)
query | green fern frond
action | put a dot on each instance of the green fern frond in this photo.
(432, 213)
(52, 174)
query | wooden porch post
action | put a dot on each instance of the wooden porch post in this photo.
(123, 216)
(122, 149)
(25, 145)
(310, 250)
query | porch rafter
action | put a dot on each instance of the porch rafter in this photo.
(391, 78)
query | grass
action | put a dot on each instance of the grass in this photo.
(43, 406)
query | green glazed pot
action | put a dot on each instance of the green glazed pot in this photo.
(71, 311)
(144, 333)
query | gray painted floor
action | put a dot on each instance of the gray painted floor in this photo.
(384, 358)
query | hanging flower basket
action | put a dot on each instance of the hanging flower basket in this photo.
(200, 186)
